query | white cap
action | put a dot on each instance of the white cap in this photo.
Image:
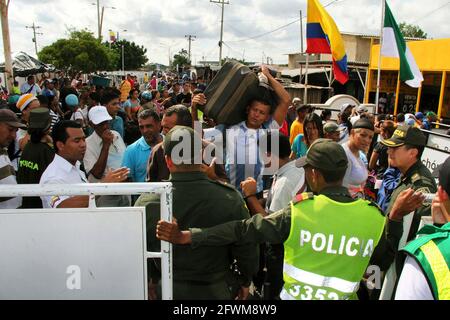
(99, 114)
(296, 101)
(346, 106)
(362, 109)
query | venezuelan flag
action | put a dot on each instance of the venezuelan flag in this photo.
(323, 36)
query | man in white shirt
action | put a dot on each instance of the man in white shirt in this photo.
(105, 149)
(8, 129)
(69, 141)
(30, 87)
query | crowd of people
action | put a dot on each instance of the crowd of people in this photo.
(363, 174)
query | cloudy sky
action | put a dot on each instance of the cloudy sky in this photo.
(161, 25)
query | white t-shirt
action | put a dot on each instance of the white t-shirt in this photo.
(60, 171)
(93, 149)
(357, 172)
(412, 284)
(7, 176)
(286, 184)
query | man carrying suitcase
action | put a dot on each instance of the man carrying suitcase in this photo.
(242, 159)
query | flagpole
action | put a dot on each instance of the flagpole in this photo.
(377, 98)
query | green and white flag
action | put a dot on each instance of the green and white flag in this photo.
(394, 46)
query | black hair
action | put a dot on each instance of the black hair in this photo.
(184, 117)
(420, 150)
(313, 118)
(43, 100)
(29, 78)
(284, 146)
(332, 175)
(325, 114)
(36, 135)
(16, 83)
(95, 96)
(132, 91)
(154, 94)
(149, 113)
(59, 132)
(107, 97)
(400, 117)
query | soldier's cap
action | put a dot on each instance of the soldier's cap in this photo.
(331, 127)
(183, 145)
(406, 135)
(10, 118)
(40, 119)
(324, 154)
(444, 176)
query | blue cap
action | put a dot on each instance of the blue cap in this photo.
(410, 122)
(13, 99)
(71, 100)
(147, 95)
(419, 116)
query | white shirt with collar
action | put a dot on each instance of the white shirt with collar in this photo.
(60, 171)
(93, 149)
(288, 181)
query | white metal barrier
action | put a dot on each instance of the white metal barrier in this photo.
(390, 280)
(24, 225)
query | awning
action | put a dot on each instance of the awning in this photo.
(25, 65)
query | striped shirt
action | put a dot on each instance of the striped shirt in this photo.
(243, 159)
(7, 177)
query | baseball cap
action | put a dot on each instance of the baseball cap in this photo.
(296, 101)
(10, 118)
(406, 135)
(364, 124)
(98, 115)
(331, 127)
(419, 116)
(444, 176)
(362, 109)
(346, 106)
(24, 101)
(147, 95)
(188, 144)
(40, 119)
(324, 154)
(71, 100)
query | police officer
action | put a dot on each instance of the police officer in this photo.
(329, 239)
(405, 152)
(426, 273)
(204, 273)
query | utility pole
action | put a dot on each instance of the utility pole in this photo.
(223, 3)
(190, 39)
(98, 21)
(4, 6)
(301, 47)
(34, 27)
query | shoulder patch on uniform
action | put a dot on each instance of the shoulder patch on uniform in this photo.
(415, 178)
(302, 197)
(225, 184)
(374, 204)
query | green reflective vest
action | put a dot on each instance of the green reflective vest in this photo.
(329, 248)
(432, 252)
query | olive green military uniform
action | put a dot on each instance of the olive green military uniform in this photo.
(419, 179)
(202, 273)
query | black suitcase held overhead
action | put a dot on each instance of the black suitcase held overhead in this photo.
(230, 92)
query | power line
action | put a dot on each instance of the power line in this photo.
(34, 27)
(430, 13)
(279, 28)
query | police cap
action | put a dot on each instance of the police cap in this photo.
(406, 135)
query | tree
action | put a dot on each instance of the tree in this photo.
(181, 59)
(134, 55)
(412, 31)
(80, 53)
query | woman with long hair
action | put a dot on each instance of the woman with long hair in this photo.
(132, 105)
(313, 130)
